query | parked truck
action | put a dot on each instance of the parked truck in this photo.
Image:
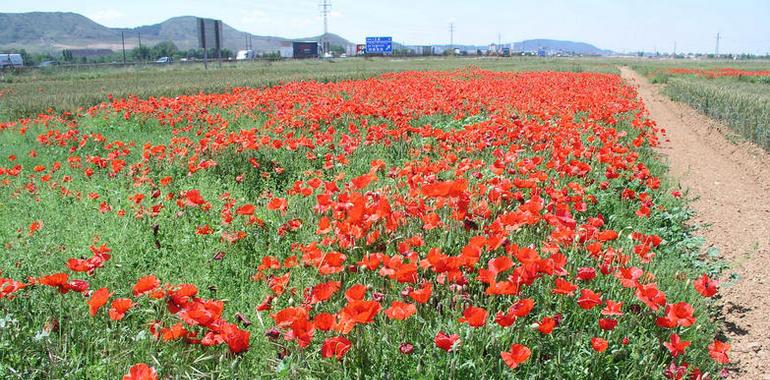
(245, 55)
(10, 60)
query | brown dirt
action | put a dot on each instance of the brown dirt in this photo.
(730, 180)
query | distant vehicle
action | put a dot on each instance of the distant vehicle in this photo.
(164, 60)
(48, 64)
(286, 52)
(245, 54)
(343, 55)
(11, 60)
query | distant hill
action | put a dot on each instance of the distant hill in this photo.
(54, 31)
(550, 46)
(559, 46)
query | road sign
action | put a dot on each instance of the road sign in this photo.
(210, 36)
(379, 45)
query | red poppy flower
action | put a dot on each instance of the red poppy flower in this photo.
(607, 323)
(546, 325)
(400, 310)
(54, 280)
(141, 371)
(98, 299)
(145, 285)
(706, 286)
(119, 308)
(676, 345)
(361, 182)
(599, 344)
(247, 209)
(277, 204)
(237, 340)
(718, 351)
(324, 291)
(324, 321)
(194, 197)
(446, 342)
(612, 308)
(563, 287)
(505, 319)
(607, 235)
(335, 347)
(356, 292)
(361, 311)
(518, 354)
(422, 295)
(586, 273)
(175, 332)
(588, 299)
(678, 314)
(523, 307)
(474, 316)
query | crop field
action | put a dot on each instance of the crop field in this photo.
(464, 223)
(738, 94)
(68, 89)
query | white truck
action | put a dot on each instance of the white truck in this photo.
(10, 60)
(245, 54)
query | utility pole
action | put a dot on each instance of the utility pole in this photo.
(716, 50)
(326, 6)
(123, 41)
(141, 54)
(451, 38)
(499, 42)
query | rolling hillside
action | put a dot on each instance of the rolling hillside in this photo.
(54, 31)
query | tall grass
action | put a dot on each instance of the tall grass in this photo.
(745, 111)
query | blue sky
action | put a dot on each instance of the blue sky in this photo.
(620, 25)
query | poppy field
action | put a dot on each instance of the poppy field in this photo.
(435, 224)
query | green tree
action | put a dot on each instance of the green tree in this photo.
(66, 55)
(140, 53)
(163, 49)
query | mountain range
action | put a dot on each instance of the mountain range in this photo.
(54, 31)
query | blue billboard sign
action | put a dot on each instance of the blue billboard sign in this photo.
(379, 45)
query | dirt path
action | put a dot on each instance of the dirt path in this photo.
(732, 183)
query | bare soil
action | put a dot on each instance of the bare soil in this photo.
(730, 181)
